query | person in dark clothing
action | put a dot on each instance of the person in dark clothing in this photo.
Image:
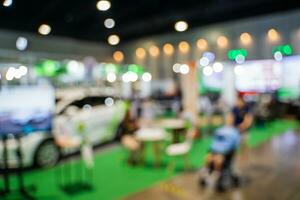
(128, 140)
(242, 115)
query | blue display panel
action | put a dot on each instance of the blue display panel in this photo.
(26, 109)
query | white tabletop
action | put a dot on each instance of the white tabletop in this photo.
(172, 123)
(151, 134)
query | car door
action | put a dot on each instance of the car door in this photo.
(98, 121)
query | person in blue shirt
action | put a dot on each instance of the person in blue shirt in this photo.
(225, 142)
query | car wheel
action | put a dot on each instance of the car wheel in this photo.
(47, 154)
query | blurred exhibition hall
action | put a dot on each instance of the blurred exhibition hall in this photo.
(150, 99)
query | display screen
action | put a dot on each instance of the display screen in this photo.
(24, 110)
(290, 82)
(214, 82)
(258, 76)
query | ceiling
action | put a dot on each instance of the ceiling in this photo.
(80, 19)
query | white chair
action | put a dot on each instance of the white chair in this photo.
(181, 150)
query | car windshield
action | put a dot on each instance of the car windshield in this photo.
(87, 101)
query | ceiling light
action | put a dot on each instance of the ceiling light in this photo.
(246, 38)
(113, 39)
(273, 35)
(44, 29)
(181, 26)
(222, 42)
(202, 44)
(109, 23)
(140, 53)
(7, 3)
(118, 56)
(103, 5)
(168, 49)
(184, 47)
(21, 43)
(154, 51)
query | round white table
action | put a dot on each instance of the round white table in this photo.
(175, 123)
(177, 127)
(150, 134)
(155, 136)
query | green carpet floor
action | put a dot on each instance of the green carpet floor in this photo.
(114, 179)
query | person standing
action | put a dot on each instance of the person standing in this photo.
(242, 115)
(243, 119)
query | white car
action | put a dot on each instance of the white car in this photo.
(100, 116)
(97, 117)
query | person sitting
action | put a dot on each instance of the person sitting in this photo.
(128, 127)
(225, 142)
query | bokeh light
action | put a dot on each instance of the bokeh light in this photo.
(168, 49)
(113, 39)
(240, 59)
(222, 42)
(278, 56)
(7, 3)
(207, 71)
(181, 26)
(10, 74)
(273, 35)
(202, 44)
(210, 55)
(111, 77)
(184, 47)
(140, 53)
(204, 61)
(176, 67)
(21, 43)
(109, 101)
(118, 56)
(245, 38)
(146, 77)
(239, 70)
(44, 29)
(184, 69)
(218, 67)
(23, 70)
(103, 5)
(154, 51)
(109, 23)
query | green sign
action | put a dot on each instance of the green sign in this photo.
(232, 54)
(285, 50)
(49, 68)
